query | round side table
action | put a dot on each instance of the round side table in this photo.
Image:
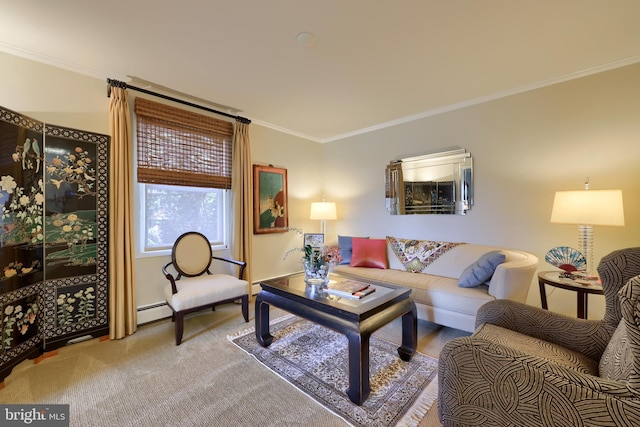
(554, 278)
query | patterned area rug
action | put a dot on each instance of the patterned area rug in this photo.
(314, 359)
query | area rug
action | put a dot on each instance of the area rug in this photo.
(314, 359)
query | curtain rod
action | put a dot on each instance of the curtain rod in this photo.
(123, 85)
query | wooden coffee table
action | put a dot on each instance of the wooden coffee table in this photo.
(357, 319)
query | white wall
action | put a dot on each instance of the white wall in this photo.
(53, 95)
(303, 161)
(525, 147)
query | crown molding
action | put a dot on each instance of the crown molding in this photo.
(520, 89)
(55, 62)
(38, 57)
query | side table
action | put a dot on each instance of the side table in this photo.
(554, 278)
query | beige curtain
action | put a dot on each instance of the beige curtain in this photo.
(122, 297)
(242, 199)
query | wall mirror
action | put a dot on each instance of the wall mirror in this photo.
(435, 183)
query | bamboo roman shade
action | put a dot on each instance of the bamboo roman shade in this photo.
(179, 147)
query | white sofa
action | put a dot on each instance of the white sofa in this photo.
(435, 289)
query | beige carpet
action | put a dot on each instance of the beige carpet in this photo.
(147, 380)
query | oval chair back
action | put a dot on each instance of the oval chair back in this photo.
(191, 254)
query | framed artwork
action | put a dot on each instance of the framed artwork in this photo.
(315, 240)
(270, 205)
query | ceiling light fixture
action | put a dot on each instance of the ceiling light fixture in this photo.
(306, 39)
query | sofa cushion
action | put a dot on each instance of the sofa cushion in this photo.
(370, 253)
(481, 271)
(346, 248)
(455, 261)
(434, 291)
(415, 255)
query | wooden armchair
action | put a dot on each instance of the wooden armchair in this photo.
(193, 287)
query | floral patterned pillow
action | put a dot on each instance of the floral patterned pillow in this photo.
(416, 255)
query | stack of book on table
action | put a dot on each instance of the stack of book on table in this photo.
(350, 289)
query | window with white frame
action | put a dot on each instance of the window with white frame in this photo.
(184, 171)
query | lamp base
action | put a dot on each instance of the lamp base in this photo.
(585, 245)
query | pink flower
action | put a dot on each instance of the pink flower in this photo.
(333, 256)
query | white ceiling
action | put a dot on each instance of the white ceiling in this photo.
(374, 62)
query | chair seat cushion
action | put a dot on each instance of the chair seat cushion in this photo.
(538, 349)
(203, 290)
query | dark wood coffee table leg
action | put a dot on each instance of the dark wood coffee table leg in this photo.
(409, 335)
(262, 322)
(359, 387)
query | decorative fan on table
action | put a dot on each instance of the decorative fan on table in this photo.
(566, 258)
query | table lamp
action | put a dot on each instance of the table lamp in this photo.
(323, 211)
(588, 208)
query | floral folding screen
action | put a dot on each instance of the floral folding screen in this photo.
(53, 240)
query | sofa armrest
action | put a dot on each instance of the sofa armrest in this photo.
(512, 279)
(588, 337)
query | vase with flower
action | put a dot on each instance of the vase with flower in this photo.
(317, 262)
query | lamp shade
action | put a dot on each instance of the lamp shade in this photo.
(588, 207)
(323, 210)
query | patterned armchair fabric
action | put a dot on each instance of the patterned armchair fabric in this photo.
(525, 366)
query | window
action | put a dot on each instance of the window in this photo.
(170, 210)
(184, 171)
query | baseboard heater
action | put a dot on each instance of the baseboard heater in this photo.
(152, 312)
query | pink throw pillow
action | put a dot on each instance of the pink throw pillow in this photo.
(369, 253)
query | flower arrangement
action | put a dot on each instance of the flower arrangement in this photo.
(316, 260)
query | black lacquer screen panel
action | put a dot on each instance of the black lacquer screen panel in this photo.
(53, 241)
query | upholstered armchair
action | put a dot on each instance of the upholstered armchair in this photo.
(193, 287)
(525, 366)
